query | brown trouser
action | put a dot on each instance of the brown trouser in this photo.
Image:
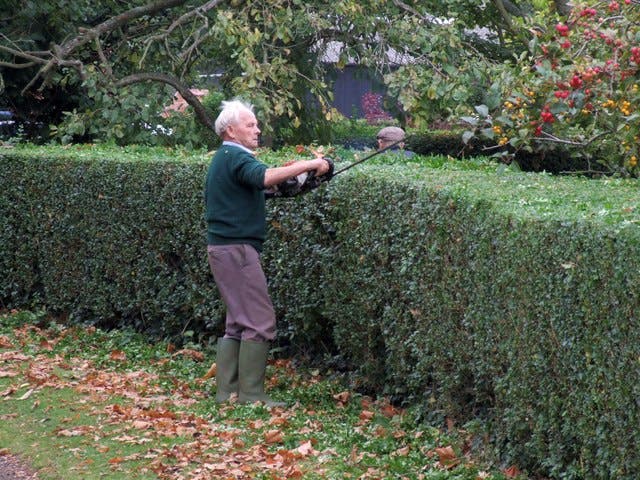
(243, 288)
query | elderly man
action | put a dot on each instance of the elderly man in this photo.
(390, 135)
(235, 215)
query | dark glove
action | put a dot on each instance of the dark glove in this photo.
(312, 181)
(301, 184)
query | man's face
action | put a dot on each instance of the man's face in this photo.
(381, 143)
(246, 131)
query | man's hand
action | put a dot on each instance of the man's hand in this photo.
(276, 175)
(315, 173)
(323, 166)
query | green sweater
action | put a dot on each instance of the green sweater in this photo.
(234, 196)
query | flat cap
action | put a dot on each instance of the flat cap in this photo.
(391, 134)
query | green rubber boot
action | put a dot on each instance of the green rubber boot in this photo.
(227, 368)
(251, 373)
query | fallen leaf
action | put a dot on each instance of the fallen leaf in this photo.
(294, 472)
(256, 424)
(366, 415)
(237, 443)
(216, 467)
(141, 424)
(7, 374)
(342, 397)
(190, 353)
(380, 432)
(211, 373)
(402, 452)
(389, 411)
(132, 440)
(355, 456)
(118, 355)
(5, 342)
(306, 449)
(8, 391)
(12, 356)
(278, 422)
(511, 472)
(447, 456)
(273, 436)
(27, 394)
(451, 424)
(72, 432)
(160, 413)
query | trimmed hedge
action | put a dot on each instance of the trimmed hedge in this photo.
(106, 242)
(486, 294)
(506, 297)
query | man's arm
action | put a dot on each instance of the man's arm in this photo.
(275, 175)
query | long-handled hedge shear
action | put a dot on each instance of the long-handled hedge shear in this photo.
(308, 181)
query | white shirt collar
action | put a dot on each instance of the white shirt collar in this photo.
(234, 144)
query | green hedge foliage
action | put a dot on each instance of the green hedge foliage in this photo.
(477, 292)
(107, 241)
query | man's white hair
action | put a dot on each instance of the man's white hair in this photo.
(230, 114)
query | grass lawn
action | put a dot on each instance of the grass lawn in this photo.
(80, 403)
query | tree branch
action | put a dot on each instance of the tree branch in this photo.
(116, 22)
(547, 137)
(184, 18)
(404, 6)
(103, 59)
(31, 56)
(17, 66)
(189, 97)
(59, 53)
(506, 16)
(196, 12)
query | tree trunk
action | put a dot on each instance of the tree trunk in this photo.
(190, 98)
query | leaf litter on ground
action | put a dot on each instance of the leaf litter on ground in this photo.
(115, 405)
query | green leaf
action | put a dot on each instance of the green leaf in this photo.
(482, 110)
(473, 121)
(467, 135)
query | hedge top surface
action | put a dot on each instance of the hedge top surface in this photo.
(534, 196)
(91, 152)
(614, 202)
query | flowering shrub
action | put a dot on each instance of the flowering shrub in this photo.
(578, 88)
(372, 108)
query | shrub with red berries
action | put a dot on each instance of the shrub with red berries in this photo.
(578, 88)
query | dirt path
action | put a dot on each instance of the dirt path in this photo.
(11, 468)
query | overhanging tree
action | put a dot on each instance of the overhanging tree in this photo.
(113, 67)
(457, 58)
(267, 52)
